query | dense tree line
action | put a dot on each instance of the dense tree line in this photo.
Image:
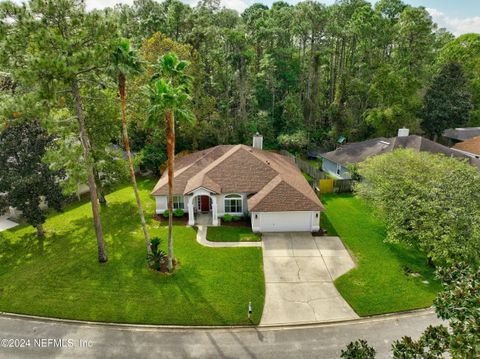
(301, 75)
(305, 74)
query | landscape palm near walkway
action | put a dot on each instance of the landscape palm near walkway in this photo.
(125, 62)
(170, 96)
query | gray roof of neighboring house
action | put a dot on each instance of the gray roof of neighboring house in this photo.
(359, 151)
(462, 134)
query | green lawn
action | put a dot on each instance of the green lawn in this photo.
(307, 177)
(378, 284)
(232, 234)
(60, 277)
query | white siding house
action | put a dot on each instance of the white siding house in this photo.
(242, 181)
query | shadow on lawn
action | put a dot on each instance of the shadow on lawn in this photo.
(405, 255)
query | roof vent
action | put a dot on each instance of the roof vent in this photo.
(258, 141)
(403, 132)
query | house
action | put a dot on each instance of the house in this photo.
(336, 162)
(455, 135)
(243, 181)
(470, 147)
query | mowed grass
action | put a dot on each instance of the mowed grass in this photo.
(232, 234)
(60, 276)
(379, 283)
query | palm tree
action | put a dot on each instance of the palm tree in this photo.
(125, 61)
(169, 95)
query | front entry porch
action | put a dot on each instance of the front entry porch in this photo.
(203, 219)
(202, 208)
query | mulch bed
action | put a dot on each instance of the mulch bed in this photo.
(164, 267)
(177, 220)
(240, 223)
(320, 233)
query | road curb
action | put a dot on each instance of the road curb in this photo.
(374, 318)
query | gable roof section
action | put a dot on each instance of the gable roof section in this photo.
(462, 134)
(360, 151)
(274, 179)
(279, 195)
(471, 146)
(238, 170)
(188, 166)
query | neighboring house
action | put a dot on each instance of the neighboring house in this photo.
(242, 180)
(455, 135)
(336, 162)
(470, 147)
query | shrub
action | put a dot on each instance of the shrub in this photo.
(227, 218)
(157, 256)
(179, 212)
(358, 350)
(166, 213)
(236, 218)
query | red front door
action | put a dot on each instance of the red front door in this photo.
(205, 203)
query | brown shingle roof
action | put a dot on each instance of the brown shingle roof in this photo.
(274, 180)
(471, 146)
(279, 195)
(188, 166)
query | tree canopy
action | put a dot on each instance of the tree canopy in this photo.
(430, 202)
(26, 181)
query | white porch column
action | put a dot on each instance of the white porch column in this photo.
(191, 213)
(214, 211)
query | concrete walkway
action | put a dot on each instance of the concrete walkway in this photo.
(202, 239)
(5, 223)
(299, 274)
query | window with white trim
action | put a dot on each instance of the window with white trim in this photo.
(178, 202)
(233, 203)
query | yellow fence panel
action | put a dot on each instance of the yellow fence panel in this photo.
(326, 185)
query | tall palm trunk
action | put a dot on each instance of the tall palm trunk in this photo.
(122, 92)
(87, 152)
(170, 128)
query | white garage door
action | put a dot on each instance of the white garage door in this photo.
(285, 221)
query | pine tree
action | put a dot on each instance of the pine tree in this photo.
(447, 102)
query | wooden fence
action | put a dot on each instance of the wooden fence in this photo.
(321, 181)
(335, 185)
(313, 172)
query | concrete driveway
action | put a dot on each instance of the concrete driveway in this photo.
(5, 223)
(299, 274)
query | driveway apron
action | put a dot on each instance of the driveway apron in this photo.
(299, 274)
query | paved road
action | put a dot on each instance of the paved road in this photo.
(321, 341)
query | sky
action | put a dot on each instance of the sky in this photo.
(457, 16)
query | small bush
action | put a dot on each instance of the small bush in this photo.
(157, 256)
(179, 212)
(166, 213)
(227, 218)
(358, 349)
(236, 218)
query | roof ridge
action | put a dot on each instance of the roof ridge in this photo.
(201, 175)
(185, 168)
(260, 195)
